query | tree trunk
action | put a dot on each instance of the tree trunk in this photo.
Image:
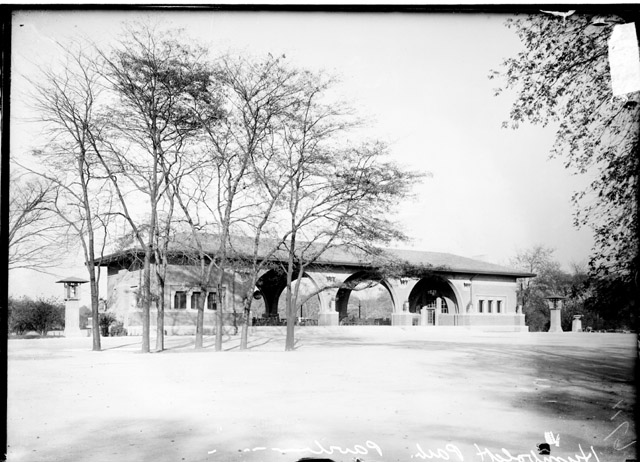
(146, 298)
(200, 318)
(89, 251)
(244, 333)
(219, 313)
(200, 313)
(223, 261)
(160, 328)
(292, 305)
(95, 295)
(160, 318)
(235, 317)
(290, 341)
(95, 312)
(148, 254)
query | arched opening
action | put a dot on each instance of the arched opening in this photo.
(265, 298)
(364, 299)
(308, 300)
(436, 295)
(269, 307)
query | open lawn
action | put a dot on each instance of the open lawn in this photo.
(376, 393)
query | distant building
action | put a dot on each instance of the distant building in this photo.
(438, 290)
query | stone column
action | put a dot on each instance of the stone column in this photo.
(72, 319)
(555, 311)
(404, 318)
(556, 320)
(329, 318)
(72, 306)
(424, 316)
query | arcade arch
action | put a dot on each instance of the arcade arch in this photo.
(269, 303)
(354, 283)
(426, 292)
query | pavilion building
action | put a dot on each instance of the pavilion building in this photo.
(431, 289)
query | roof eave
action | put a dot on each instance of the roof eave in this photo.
(112, 258)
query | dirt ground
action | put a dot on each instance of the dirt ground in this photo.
(367, 393)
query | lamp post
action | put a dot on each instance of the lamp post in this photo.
(72, 305)
(555, 310)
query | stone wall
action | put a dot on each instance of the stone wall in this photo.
(515, 321)
(179, 322)
(470, 292)
(124, 285)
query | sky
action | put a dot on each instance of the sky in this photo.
(421, 82)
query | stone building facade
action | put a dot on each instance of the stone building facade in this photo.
(451, 292)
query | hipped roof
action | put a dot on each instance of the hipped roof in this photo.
(342, 256)
(75, 279)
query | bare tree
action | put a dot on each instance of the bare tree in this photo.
(188, 192)
(66, 101)
(343, 204)
(332, 195)
(33, 229)
(259, 255)
(255, 96)
(258, 252)
(155, 79)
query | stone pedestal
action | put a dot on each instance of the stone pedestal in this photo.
(576, 324)
(328, 319)
(424, 317)
(72, 319)
(556, 320)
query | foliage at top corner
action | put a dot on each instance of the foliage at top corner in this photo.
(561, 77)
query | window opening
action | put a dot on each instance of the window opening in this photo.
(180, 300)
(212, 301)
(195, 300)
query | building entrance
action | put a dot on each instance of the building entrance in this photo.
(431, 317)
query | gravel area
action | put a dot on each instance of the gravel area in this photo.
(368, 393)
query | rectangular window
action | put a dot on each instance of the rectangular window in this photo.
(211, 301)
(499, 306)
(480, 306)
(195, 300)
(180, 300)
(489, 306)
